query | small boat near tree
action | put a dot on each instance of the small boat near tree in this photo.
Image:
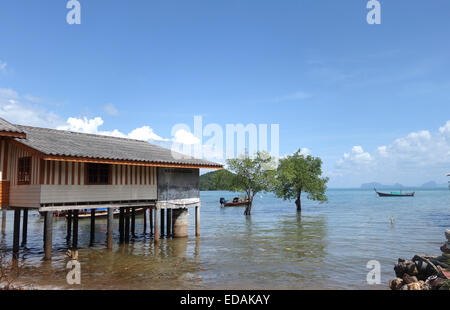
(236, 202)
(394, 194)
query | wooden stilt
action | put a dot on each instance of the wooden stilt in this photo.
(25, 226)
(145, 220)
(162, 222)
(16, 236)
(133, 221)
(197, 221)
(127, 225)
(75, 231)
(121, 225)
(3, 221)
(156, 234)
(169, 223)
(48, 235)
(69, 225)
(109, 238)
(92, 240)
(150, 217)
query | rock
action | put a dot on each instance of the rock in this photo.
(409, 279)
(396, 284)
(446, 248)
(445, 286)
(436, 283)
(447, 234)
(411, 269)
(414, 286)
(404, 287)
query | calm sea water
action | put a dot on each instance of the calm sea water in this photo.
(326, 247)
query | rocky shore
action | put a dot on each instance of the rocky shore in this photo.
(424, 272)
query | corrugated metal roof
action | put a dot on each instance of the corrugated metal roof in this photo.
(7, 126)
(74, 144)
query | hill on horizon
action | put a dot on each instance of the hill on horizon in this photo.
(430, 184)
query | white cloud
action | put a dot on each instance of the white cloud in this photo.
(145, 133)
(418, 157)
(86, 125)
(305, 151)
(110, 109)
(185, 137)
(15, 109)
(3, 66)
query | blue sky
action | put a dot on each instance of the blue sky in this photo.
(372, 101)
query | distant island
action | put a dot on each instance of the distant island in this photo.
(215, 180)
(372, 185)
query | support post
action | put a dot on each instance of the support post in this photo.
(133, 221)
(16, 236)
(197, 221)
(75, 230)
(109, 238)
(162, 222)
(169, 223)
(157, 224)
(127, 225)
(121, 224)
(145, 220)
(48, 235)
(25, 226)
(150, 217)
(92, 240)
(3, 221)
(69, 225)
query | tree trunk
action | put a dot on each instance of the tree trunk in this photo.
(248, 208)
(298, 202)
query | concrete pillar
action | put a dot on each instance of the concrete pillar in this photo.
(162, 222)
(48, 232)
(25, 226)
(145, 220)
(180, 222)
(169, 223)
(75, 230)
(16, 236)
(197, 221)
(150, 218)
(156, 234)
(121, 225)
(3, 220)
(133, 221)
(92, 239)
(69, 225)
(109, 237)
(127, 225)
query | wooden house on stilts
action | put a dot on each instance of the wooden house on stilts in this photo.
(60, 171)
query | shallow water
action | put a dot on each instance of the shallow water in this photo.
(327, 247)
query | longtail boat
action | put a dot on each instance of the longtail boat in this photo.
(395, 194)
(237, 202)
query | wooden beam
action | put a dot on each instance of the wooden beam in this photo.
(127, 162)
(109, 238)
(92, 240)
(69, 225)
(127, 225)
(16, 235)
(48, 232)
(25, 226)
(121, 224)
(197, 221)
(162, 222)
(20, 135)
(75, 230)
(133, 221)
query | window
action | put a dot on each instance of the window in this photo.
(24, 171)
(98, 174)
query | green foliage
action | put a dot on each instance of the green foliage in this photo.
(298, 173)
(252, 175)
(216, 180)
